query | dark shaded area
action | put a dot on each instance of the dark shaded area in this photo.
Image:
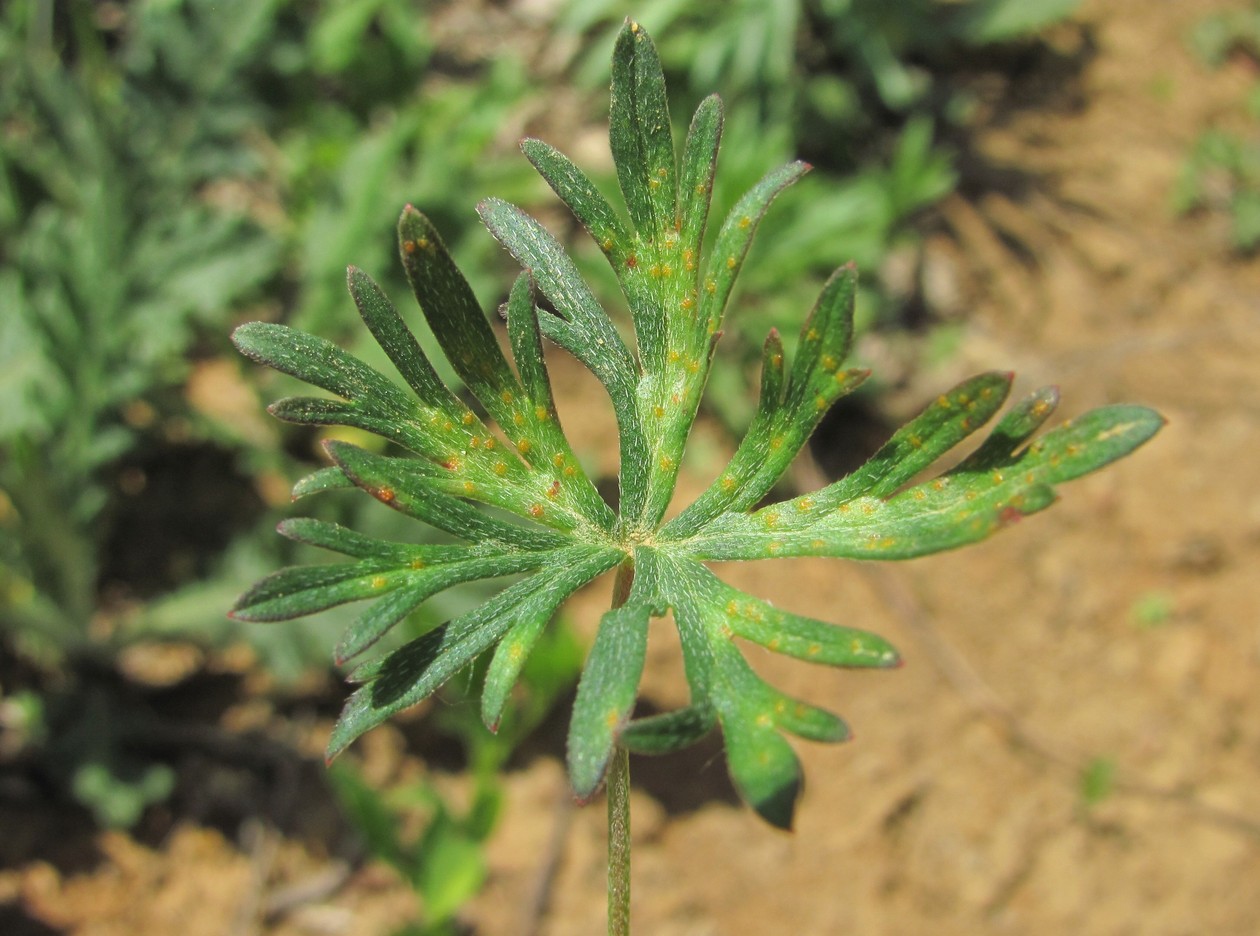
(181, 505)
(15, 922)
(682, 782)
(686, 780)
(223, 779)
(850, 433)
(1006, 82)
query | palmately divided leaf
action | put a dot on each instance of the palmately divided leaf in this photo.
(949, 419)
(399, 343)
(370, 401)
(538, 432)
(640, 134)
(709, 614)
(303, 590)
(420, 490)
(331, 478)
(610, 678)
(699, 163)
(964, 506)
(804, 638)
(669, 731)
(789, 409)
(677, 292)
(456, 318)
(765, 769)
(413, 672)
(525, 412)
(399, 576)
(672, 394)
(582, 328)
(335, 537)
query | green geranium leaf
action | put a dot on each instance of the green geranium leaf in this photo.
(497, 475)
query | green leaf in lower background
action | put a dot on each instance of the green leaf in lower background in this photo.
(1097, 780)
(983, 22)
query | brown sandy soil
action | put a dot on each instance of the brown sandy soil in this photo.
(959, 808)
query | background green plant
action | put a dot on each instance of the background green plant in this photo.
(445, 862)
(148, 151)
(1221, 174)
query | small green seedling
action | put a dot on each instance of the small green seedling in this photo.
(517, 502)
(445, 863)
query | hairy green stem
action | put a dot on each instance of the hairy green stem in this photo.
(618, 791)
(619, 843)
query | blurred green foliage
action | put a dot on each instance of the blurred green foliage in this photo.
(1221, 174)
(444, 861)
(169, 167)
(115, 254)
(168, 164)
